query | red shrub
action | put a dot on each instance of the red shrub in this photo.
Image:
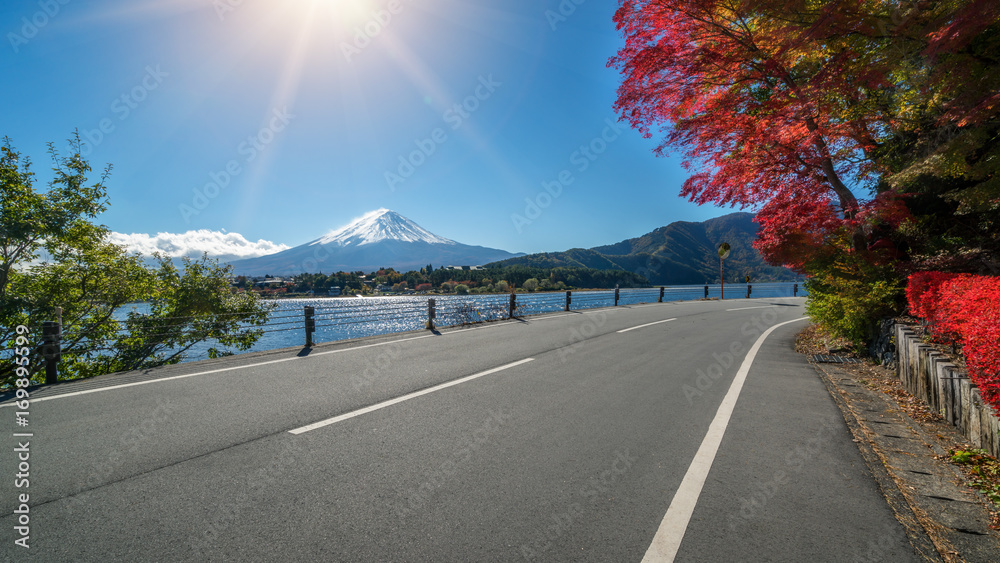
(982, 357)
(922, 293)
(965, 308)
(962, 304)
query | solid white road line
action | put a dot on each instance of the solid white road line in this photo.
(220, 370)
(647, 324)
(669, 535)
(397, 400)
(746, 308)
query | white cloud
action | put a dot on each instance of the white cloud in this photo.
(222, 245)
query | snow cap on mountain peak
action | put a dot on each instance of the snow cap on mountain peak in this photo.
(381, 224)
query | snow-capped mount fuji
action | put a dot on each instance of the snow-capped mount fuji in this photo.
(380, 225)
(379, 239)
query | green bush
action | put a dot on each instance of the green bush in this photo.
(848, 296)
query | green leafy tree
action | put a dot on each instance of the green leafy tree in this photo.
(53, 255)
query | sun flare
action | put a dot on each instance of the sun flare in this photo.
(347, 13)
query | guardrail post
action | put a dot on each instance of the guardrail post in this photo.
(310, 325)
(616, 296)
(795, 291)
(749, 289)
(51, 349)
(513, 305)
(569, 299)
(706, 292)
(431, 313)
(661, 295)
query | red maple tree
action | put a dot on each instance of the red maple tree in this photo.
(786, 105)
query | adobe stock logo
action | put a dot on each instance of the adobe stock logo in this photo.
(249, 150)
(30, 27)
(455, 116)
(122, 107)
(365, 34)
(582, 159)
(565, 9)
(224, 7)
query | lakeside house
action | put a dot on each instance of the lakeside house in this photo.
(269, 282)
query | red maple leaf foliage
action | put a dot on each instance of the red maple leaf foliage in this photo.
(783, 105)
(960, 74)
(792, 229)
(742, 101)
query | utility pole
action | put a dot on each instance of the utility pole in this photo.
(724, 250)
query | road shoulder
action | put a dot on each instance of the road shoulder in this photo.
(789, 483)
(944, 519)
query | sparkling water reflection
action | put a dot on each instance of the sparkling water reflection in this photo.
(343, 318)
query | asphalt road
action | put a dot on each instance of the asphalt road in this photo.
(563, 437)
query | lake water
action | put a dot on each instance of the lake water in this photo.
(344, 318)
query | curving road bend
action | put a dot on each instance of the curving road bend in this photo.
(686, 431)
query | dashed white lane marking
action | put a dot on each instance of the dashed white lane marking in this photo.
(398, 400)
(546, 317)
(222, 370)
(647, 324)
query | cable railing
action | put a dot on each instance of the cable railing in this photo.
(370, 317)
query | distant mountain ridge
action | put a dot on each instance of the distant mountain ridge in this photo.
(379, 239)
(680, 253)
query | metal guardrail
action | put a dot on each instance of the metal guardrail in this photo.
(454, 311)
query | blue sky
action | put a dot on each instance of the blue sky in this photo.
(309, 113)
